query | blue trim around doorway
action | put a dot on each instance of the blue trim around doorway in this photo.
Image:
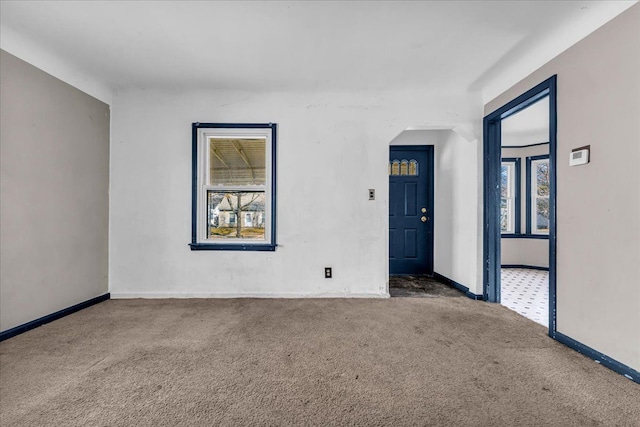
(492, 161)
(491, 240)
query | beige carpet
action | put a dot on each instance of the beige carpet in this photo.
(403, 361)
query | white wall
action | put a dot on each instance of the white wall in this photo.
(529, 252)
(54, 200)
(331, 149)
(456, 223)
(598, 245)
(32, 52)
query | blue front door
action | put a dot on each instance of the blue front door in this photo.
(411, 210)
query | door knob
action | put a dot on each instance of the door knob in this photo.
(423, 219)
(424, 210)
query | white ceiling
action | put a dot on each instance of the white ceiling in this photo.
(263, 46)
(528, 126)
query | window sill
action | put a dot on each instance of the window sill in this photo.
(232, 247)
(524, 236)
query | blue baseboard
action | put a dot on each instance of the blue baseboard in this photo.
(9, 333)
(600, 358)
(531, 267)
(458, 286)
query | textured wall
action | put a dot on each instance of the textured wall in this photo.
(599, 203)
(54, 189)
(332, 147)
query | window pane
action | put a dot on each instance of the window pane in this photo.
(413, 167)
(395, 168)
(404, 167)
(542, 214)
(237, 161)
(542, 179)
(504, 215)
(504, 181)
(230, 215)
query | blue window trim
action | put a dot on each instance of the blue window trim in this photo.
(529, 184)
(524, 236)
(195, 245)
(518, 201)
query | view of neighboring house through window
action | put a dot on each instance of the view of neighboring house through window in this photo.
(235, 184)
(509, 189)
(538, 192)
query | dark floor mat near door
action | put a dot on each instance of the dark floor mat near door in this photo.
(420, 287)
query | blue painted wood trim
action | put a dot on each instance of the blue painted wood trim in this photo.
(195, 245)
(51, 317)
(491, 205)
(492, 155)
(518, 196)
(194, 182)
(530, 267)
(458, 286)
(523, 101)
(274, 198)
(528, 196)
(525, 146)
(518, 182)
(600, 358)
(553, 151)
(525, 236)
(529, 187)
(231, 247)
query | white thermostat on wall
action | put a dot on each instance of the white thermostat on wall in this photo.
(579, 156)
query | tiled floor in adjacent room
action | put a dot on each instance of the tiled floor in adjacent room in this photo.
(526, 291)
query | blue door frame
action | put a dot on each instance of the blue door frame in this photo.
(411, 212)
(492, 161)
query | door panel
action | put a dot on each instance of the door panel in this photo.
(392, 245)
(410, 243)
(411, 200)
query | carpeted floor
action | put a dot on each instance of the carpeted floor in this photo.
(399, 361)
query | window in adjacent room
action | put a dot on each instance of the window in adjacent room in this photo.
(233, 182)
(510, 196)
(538, 192)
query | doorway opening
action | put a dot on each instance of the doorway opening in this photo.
(520, 204)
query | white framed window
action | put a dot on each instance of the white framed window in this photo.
(510, 196)
(539, 191)
(233, 179)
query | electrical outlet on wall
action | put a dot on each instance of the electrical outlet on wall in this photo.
(327, 272)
